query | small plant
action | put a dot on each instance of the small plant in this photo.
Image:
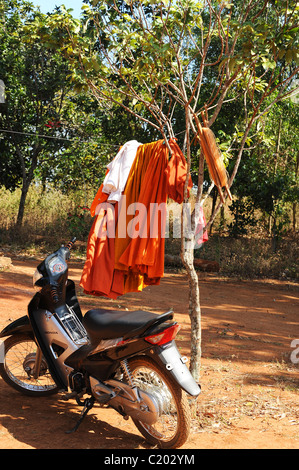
(79, 222)
(243, 217)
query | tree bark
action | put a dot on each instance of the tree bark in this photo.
(294, 203)
(27, 178)
(194, 312)
(195, 318)
(21, 210)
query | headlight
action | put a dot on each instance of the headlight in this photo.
(36, 277)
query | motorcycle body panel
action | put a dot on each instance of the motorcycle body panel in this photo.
(55, 343)
(102, 364)
(51, 336)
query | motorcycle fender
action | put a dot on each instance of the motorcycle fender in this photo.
(21, 325)
(174, 363)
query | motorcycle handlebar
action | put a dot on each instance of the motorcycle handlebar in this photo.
(71, 243)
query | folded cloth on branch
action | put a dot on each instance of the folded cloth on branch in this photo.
(119, 169)
(125, 249)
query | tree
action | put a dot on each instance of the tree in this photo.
(34, 77)
(49, 132)
(268, 178)
(43, 121)
(157, 59)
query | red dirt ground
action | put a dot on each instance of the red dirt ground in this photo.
(250, 394)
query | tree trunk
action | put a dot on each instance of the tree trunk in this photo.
(27, 177)
(214, 200)
(195, 318)
(194, 313)
(24, 193)
(187, 255)
(294, 217)
(294, 203)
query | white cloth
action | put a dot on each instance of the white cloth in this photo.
(119, 169)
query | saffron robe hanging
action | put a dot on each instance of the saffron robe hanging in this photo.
(117, 260)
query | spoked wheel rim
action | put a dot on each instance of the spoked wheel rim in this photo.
(19, 366)
(150, 381)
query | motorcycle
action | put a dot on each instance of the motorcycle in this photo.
(124, 360)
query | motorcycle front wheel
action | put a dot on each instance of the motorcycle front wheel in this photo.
(172, 428)
(17, 367)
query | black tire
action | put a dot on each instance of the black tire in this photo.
(16, 367)
(173, 426)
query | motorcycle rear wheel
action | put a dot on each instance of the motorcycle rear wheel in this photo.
(17, 367)
(172, 428)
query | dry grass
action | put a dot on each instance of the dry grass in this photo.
(50, 217)
(254, 257)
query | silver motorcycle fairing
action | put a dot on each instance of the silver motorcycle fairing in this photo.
(171, 360)
(55, 343)
(129, 401)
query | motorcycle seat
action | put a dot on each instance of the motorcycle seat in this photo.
(108, 324)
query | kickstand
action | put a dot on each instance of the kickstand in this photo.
(88, 404)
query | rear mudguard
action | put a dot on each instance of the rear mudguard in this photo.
(170, 360)
(19, 326)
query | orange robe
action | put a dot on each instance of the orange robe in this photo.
(134, 258)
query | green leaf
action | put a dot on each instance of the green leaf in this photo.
(268, 63)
